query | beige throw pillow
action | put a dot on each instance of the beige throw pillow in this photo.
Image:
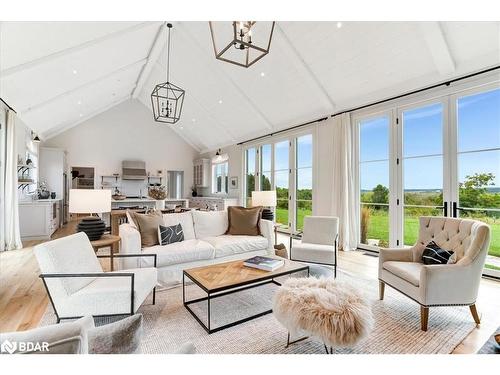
(147, 225)
(244, 221)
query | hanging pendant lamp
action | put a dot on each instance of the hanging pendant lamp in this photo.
(167, 98)
(241, 43)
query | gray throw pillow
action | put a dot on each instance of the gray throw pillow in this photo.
(168, 235)
(121, 337)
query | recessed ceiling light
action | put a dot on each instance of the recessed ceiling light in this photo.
(194, 120)
(262, 74)
(181, 127)
(79, 102)
(339, 25)
(81, 114)
(220, 101)
(74, 71)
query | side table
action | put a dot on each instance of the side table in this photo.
(107, 240)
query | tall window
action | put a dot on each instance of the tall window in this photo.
(219, 176)
(374, 181)
(478, 162)
(303, 178)
(287, 167)
(439, 157)
(281, 181)
(250, 169)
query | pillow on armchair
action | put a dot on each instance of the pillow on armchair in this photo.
(433, 254)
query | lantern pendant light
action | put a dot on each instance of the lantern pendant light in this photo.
(167, 98)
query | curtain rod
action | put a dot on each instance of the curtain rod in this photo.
(8, 106)
(445, 83)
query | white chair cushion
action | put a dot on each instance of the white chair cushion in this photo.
(185, 219)
(210, 224)
(178, 252)
(71, 254)
(315, 253)
(409, 271)
(229, 245)
(110, 295)
(320, 229)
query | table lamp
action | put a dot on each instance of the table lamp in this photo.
(90, 201)
(266, 199)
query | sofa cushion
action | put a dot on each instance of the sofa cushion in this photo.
(180, 252)
(244, 221)
(228, 245)
(409, 271)
(185, 219)
(209, 224)
(147, 225)
(169, 235)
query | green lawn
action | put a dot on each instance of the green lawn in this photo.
(282, 216)
(379, 229)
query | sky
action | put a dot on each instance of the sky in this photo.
(478, 129)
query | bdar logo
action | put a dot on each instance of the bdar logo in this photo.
(8, 347)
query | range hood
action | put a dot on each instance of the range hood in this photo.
(133, 170)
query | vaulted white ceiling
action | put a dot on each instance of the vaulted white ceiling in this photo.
(59, 74)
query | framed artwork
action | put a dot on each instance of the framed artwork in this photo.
(233, 182)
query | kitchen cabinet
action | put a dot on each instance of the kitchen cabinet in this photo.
(201, 173)
(39, 219)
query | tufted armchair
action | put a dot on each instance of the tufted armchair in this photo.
(442, 284)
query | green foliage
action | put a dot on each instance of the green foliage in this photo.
(473, 192)
(380, 194)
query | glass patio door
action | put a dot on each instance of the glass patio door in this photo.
(477, 183)
(421, 164)
(374, 136)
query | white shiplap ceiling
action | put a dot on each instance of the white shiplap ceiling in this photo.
(59, 74)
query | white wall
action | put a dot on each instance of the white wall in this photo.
(126, 132)
(235, 169)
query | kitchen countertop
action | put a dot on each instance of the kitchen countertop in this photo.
(40, 201)
(213, 198)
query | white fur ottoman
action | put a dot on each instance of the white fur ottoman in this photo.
(333, 312)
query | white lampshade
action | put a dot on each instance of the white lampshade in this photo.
(88, 201)
(264, 198)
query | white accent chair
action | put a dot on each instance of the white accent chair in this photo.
(442, 284)
(319, 241)
(77, 285)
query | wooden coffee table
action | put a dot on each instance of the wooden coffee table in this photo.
(221, 279)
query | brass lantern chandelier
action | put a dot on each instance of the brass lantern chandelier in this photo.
(167, 98)
(244, 42)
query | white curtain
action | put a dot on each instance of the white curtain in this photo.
(12, 235)
(345, 198)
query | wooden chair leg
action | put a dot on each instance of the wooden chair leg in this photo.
(474, 313)
(424, 317)
(381, 289)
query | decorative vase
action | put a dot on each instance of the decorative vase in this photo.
(194, 193)
(53, 195)
(160, 204)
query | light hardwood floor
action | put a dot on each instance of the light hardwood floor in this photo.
(23, 299)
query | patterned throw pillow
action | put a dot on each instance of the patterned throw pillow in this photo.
(433, 254)
(168, 235)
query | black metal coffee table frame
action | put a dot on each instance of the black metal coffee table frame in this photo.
(234, 288)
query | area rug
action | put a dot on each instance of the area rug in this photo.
(167, 325)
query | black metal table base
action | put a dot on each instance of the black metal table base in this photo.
(230, 290)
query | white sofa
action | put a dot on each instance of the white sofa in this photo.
(205, 242)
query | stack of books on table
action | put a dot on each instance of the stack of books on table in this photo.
(264, 263)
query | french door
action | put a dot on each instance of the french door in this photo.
(286, 166)
(439, 157)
